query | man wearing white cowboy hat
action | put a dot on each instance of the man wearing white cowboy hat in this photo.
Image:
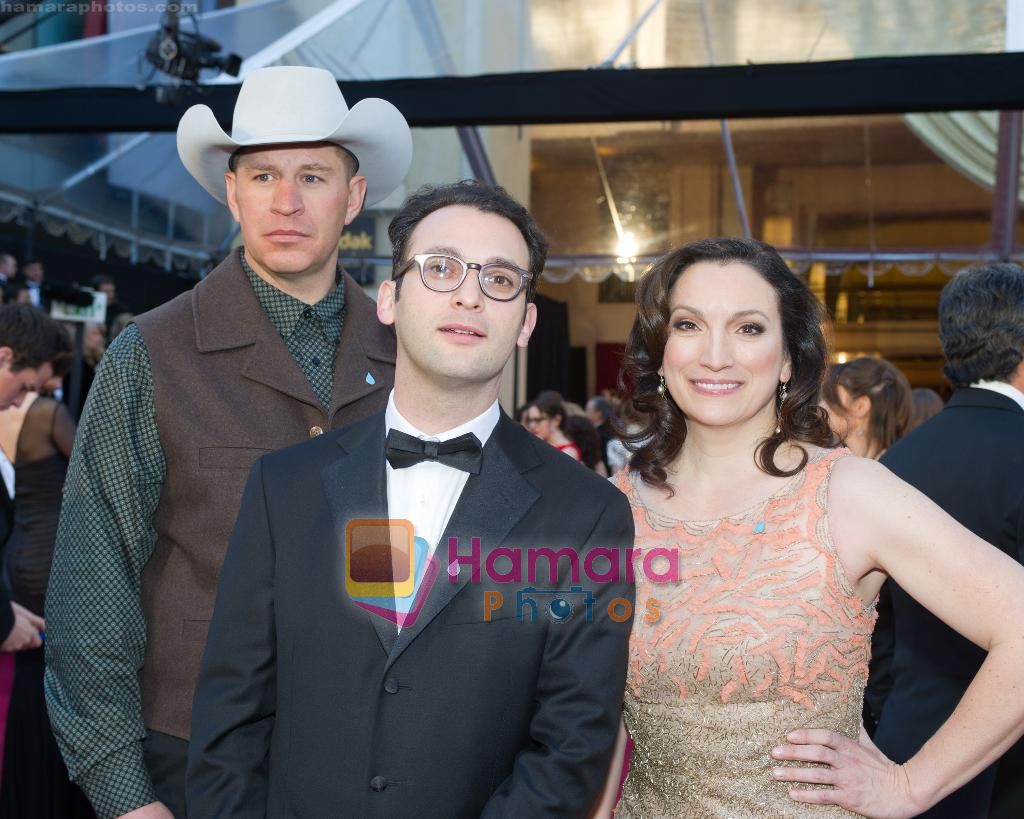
(275, 345)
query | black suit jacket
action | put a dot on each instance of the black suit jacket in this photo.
(969, 459)
(308, 706)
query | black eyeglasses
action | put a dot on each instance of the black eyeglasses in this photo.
(443, 274)
(532, 420)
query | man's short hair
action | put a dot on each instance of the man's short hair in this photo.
(350, 159)
(34, 338)
(469, 193)
(981, 324)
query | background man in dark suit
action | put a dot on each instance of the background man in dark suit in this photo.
(969, 459)
(481, 697)
(8, 268)
(31, 274)
(275, 345)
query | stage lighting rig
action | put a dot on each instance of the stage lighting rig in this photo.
(182, 54)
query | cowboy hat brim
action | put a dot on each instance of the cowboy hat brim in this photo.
(373, 129)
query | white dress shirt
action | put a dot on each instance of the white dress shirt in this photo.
(425, 494)
(7, 473)
(1002, 388)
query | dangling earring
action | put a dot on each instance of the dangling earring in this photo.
(783, 395)
(661, 386)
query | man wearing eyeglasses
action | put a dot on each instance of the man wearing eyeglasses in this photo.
(471, 684)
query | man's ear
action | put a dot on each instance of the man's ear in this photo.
(529, 322)
(1016, 378)
(6, 356)
(229, 183)
(386, 301)
(356, 197)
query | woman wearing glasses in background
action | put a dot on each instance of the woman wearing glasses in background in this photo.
(544, 418)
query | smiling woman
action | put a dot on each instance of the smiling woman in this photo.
(785, 325)
(745, 700)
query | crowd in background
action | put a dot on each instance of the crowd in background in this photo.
(588, 434)
(869, 401)
(36, 438)
(26, 283)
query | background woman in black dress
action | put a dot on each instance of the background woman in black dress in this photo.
(35, 781)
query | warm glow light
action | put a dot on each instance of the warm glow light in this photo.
(628, 247)
(841, 358)
(842, 310)
(778, 231)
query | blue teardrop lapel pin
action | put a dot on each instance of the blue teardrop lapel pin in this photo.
(370, 379)
(759, 528)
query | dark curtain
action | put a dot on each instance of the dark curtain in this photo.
(547, 357)
(577, 376)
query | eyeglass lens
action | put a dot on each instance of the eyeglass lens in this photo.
(444, 273)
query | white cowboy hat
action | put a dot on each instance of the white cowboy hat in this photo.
(298, 104)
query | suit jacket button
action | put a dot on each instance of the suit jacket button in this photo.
(378, 783)
(391, 685)
(315, 431)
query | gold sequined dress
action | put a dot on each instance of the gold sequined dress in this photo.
(758, 635)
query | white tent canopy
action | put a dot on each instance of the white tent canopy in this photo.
(129, 192)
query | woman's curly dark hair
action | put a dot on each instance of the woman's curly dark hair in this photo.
(659, 425)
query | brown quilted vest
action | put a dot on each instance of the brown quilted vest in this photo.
(226, 391)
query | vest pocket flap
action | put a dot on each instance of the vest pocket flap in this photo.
(229, 457)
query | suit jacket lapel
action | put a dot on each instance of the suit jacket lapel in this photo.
(356, 487)
(491, 504)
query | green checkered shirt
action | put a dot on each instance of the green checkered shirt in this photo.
(96, 629)
(311, 332)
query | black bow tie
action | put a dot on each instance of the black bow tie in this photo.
(460, 453)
